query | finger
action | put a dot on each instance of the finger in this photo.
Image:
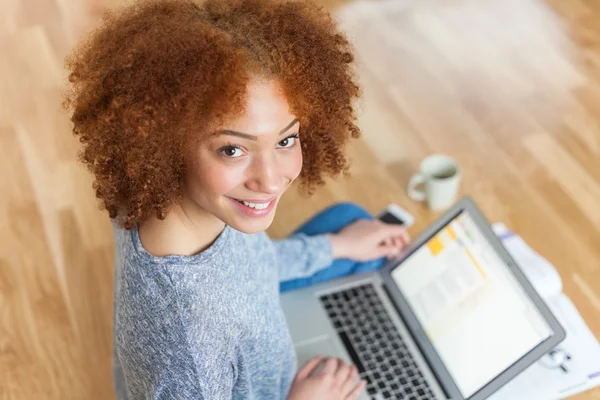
(351, 380)
(330, 367)
(385, 251)
(392, 241)
(342, 374)
(309, 367)
(386, 234)
(405, 237)
(399, 242)
(353, 395)
(394, 230)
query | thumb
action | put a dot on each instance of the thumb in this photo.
(308, 368)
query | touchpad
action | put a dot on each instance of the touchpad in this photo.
(320, 347)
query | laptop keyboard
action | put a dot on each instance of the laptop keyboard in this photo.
(374, 344)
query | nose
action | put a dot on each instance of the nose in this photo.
(266, 175)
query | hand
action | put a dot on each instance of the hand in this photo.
(335, 381)
(366, 240)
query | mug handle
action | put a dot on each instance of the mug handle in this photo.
(413, 193)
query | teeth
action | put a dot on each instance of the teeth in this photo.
(256, 206)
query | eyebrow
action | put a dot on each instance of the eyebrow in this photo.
(251, 137)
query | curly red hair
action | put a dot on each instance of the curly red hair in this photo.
(156, 74)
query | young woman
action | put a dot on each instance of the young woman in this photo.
(194, 119)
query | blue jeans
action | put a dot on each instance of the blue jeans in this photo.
(332, 220)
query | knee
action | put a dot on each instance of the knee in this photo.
(350, 210)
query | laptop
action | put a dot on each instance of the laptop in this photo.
(452, 317)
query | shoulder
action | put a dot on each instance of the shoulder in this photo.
(165, 320)
(171, 236)
(173, 315)
(172, 294)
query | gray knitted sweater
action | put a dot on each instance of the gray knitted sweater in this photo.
(207, 326)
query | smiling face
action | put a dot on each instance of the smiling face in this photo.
(240, 171)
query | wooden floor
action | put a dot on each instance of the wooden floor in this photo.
(510, 88)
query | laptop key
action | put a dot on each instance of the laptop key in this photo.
(368, 379)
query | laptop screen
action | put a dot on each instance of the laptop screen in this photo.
(473, 310)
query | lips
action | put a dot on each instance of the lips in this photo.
(254, 208)
(256, 204)
(257, 201)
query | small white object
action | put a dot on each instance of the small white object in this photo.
(398, 212)
(440, 176)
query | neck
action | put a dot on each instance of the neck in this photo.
(187, 230)
(195, 219)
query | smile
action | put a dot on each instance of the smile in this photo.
(258, 206)
(255, 208)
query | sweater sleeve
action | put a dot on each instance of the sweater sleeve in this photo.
(300, 255)
(175, 350)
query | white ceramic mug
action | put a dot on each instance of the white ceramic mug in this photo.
(440, 175)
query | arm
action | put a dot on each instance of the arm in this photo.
(168, 350)
(300, 255)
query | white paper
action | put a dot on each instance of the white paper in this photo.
(539, 382)
(542, 275)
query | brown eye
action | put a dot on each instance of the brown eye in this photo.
(231, 151)
(289, 141)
